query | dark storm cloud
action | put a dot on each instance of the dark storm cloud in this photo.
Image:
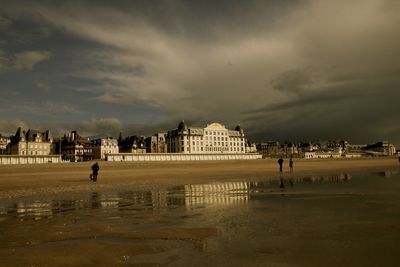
(281, 69)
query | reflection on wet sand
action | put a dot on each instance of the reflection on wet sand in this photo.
(238, 223)
(217, 194)
(387, 173)
(342, 177)
(225, 193)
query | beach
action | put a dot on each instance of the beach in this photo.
(30, 180)
(330, 212)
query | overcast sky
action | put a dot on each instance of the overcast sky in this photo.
(283, 70)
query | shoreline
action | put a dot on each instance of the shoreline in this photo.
(48, 179)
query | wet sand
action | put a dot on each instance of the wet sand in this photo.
(34, 180)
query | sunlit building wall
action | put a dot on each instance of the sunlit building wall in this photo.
(214, 138)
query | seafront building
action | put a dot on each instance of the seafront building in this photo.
(75, 148)
(4, 141)
(132, 144)
(103, 146)
(30, 142)
(213, 139)
(383, 148)
(156, 143)
(213, 142)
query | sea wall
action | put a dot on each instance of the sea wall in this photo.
(178, 157)
(18, 159)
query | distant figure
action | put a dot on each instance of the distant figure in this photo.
(95, 170)
(291, 165)
(280, 161)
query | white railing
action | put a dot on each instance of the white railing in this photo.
(178, 157)
(19, 159)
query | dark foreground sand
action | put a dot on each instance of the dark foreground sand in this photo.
(33, 180)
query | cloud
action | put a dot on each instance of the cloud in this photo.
(93, 127)
(314, 68)
(23, 61)
(39, 109)
(43, 85)
(28, 59)
(5, 23)
(9, 127)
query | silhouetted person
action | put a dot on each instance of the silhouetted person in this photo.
(95, 170)
(280, 162)
(291, 165)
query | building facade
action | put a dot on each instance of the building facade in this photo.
(132, 144)
(156, 143)
(31, 142)
(383, 148)
(4, 141)
(103, 146)
(74, 148)
(214, 139)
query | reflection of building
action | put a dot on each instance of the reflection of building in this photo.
(103, 146)
(341, 177)
(215, 138)
(156, 143)
(36, 210)
(75, 148)
(31, 142)
(217, 194)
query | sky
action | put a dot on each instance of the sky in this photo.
(283, 70)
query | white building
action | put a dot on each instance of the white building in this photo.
(30, 142)
(213, 139)
(103, 146)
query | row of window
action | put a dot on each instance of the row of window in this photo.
(209, 149)
(23, 152)
(216, 133)
(219, 138)
(213, 149)
(209, 143)
(23, 146)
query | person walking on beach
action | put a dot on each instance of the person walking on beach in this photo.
(291, 164)
(95, 171)
(280, 162)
